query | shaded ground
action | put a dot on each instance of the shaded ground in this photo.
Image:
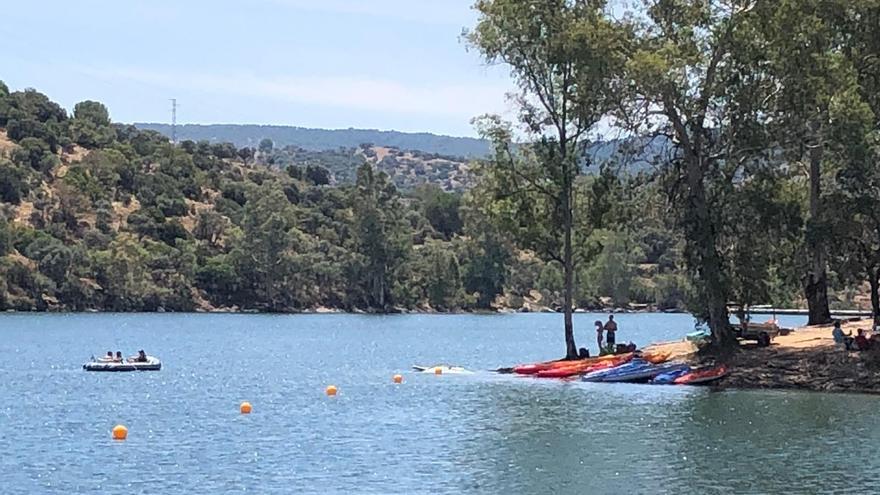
(805, 359)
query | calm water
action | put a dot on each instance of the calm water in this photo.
(481, 433)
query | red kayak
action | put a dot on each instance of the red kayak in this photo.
(534, 368)
(702, 376)
(531, 369)
(579, 368)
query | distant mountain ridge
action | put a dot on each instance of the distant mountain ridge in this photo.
(250, 135)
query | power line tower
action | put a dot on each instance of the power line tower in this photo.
(173, 120)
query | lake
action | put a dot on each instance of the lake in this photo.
(480, 433)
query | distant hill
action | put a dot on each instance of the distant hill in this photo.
(326, 139)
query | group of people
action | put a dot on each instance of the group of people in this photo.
(140, 358)
(861, 342)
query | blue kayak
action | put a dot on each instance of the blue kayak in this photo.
(668, 377)
(599, 376)
(642, 373)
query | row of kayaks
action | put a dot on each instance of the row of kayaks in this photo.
(625, 368)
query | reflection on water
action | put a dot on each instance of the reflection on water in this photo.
(481, 433)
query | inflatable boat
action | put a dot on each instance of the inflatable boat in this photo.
(151, 364)
(444, 369)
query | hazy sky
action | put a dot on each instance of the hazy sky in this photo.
(386, 64)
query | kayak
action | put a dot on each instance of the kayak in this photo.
(641, 373)
(531, 369)
(151, 364)
(668, 378)
(599, 375)
(702, 376)
(656, 357)
(584, 367)
(444, 369)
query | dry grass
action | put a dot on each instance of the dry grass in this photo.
(6, 144)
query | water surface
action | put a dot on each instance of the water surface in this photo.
(482, 433)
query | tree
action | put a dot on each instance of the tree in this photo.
(562, 54)
(246, 155)
(442, 279)
(380, 236)
(266, 146)
(803, 56)
(856, 225)
(35, 153)
(318, 175)
(5, 237)
(92, 112)
(441, 209)
(690, 77)
(13, 186)
(210, 227)
(90, 126)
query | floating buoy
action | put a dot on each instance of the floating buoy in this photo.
(331, 390)
(398, 378)
(120, 432)
(438, 370)
(245, 408)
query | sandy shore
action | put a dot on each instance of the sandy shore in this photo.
(805, 359)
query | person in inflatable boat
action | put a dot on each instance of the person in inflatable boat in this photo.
(140, 358)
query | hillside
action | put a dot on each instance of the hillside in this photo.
(408, 170)
(107, 217)
(324, 139)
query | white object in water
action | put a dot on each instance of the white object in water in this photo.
(151, 364)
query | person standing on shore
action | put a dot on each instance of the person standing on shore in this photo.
(611, 332)
(599, 330)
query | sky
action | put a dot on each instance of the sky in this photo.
(377, 64)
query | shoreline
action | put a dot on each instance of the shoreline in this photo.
(807, 359)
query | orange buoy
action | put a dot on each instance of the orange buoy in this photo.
(120, 432)
(438, 370)
(331, 390)
(398, 378)
(245, 408)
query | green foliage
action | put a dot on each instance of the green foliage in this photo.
(5, 237)
(266, 145)
(441, 209)
(13, 182)
(35, 153)
(90, 126)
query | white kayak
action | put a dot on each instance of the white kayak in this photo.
(151, 364)
(444, 369)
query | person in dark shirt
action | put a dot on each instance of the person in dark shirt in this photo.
(861, 342)
(610, 331)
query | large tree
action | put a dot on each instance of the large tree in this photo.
(692, 80)
(561, 53)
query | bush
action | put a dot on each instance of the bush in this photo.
(13, 186)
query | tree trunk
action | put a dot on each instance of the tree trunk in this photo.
(571, 351)
(702, 236)
(816, 284)
(874, 280)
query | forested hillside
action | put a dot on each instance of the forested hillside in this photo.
(102, 216)
(325, 139)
